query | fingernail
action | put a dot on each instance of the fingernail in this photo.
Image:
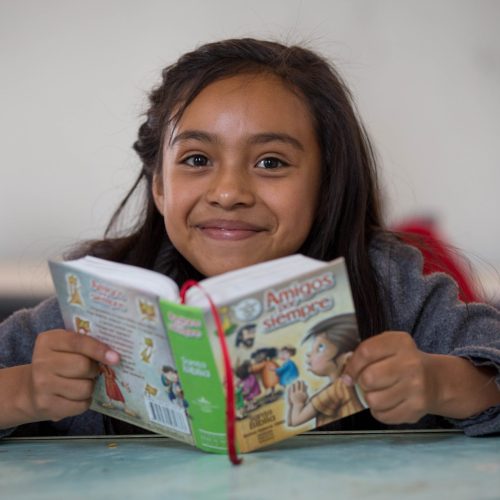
(347, 380)
(112, 357)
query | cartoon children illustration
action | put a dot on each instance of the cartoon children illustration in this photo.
(333, 341)
(115, 396)
(248, 383)
(170, 379)
(265, 366)
(288, 371)
(246, 335)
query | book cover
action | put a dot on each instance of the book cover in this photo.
(289, 333)
(288, 344)
(143, 389)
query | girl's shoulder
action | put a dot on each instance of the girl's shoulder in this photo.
(389, 255)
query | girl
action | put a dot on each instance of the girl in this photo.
(252, 150)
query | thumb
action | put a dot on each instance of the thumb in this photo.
(347, 375)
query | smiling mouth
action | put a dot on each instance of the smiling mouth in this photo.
(228, 230)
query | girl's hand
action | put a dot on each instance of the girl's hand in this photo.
(63, 372)
(395, 377)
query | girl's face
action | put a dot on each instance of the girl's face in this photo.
(240, 175)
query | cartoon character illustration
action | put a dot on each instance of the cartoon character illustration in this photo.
(150, 390)
(334, 339)
(265, 367)
(147, 352)
(246, 336)
(287, 371)
(74, 290)
(115, 396)
(248, 383)
(170, 379)
(82, 325)
(147, 310)
(239, 400)
(227, 325)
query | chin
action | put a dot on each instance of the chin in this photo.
(219, 266)
(214, 270)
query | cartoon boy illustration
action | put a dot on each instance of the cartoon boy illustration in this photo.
(246, 335)
(333, 341)
(288, 371)
(170, 379)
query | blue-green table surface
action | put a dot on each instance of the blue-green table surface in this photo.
(337, 465)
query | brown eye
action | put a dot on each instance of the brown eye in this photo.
(270, 163)
(196, 161)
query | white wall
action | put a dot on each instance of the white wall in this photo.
(74, 74)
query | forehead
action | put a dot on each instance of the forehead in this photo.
(322, 338)
(249, 102)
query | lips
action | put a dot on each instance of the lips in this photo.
(229, 230)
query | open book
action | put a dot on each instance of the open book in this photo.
(288, 325)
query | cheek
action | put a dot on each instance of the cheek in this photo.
(178, 203)
(313, 360)
(295, 209)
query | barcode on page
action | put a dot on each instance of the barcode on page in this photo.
(168, 416)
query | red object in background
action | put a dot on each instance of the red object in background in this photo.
(438, 256)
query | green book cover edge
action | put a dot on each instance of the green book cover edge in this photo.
(203, 391)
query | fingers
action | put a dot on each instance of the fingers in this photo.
(54, 397)
(77, 366)
(63, 371)
(374, 350)
(394, 406)
(64, 341)
(69, 342)
(57, 408)
(297, 392)
(297, 386)
(380, 375)
(80, 389)
(391, 372)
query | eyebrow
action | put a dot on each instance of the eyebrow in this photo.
(262, 138)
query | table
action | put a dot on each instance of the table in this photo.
(357, 465)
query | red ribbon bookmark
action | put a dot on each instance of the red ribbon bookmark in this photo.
(228, 372)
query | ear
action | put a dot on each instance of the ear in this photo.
(158, 191)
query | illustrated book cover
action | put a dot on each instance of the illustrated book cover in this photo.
(289, 326)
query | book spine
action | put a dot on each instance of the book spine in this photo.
(198, 375)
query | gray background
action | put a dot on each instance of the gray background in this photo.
(425, 75)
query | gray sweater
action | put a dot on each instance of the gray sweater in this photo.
(425, 306)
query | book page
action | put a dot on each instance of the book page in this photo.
(143, 389)
(235, 284)
(130, 276)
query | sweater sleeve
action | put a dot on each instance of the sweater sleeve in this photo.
(18, 332)
(429, 309)
(17, 339)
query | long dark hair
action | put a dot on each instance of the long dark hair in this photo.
(348, 214)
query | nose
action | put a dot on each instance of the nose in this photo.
(230, 187)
